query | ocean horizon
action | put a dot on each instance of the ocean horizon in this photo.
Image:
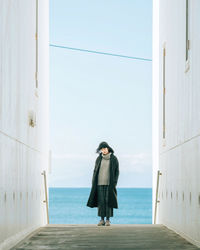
(67, 205)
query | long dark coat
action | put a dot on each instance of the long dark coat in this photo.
(114, 174)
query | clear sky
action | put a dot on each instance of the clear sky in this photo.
(96, 98)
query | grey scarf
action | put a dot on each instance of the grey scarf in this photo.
(107, 156)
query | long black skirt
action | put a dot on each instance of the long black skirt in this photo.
(103, 209)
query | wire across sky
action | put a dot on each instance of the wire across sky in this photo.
(101, 53)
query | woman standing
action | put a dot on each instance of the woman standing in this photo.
(103, 193)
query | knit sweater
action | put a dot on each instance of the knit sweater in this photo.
(104, 171)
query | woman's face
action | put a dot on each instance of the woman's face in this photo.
(104, 151)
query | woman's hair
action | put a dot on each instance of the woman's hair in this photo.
(104, 145)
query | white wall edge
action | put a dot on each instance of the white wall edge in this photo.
(15, 239)
(155, 102)
(183, 235)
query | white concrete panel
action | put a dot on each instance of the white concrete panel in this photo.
(23, 149)
(179, 152)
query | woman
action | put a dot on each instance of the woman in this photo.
(103, 193)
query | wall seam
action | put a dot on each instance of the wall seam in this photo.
(180, 144)
(12, 138)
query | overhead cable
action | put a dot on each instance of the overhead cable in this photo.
(101, 53)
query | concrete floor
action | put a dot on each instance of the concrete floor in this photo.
(131, 236)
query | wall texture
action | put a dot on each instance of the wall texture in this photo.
(24, 146)
(177, 111)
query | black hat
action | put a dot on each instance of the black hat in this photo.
(104, 145)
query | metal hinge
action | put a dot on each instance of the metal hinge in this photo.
(188, 44)
(164, 51)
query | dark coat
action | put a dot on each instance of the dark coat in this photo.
(114, 174)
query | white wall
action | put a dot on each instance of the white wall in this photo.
(179, 154)
(23, 149)
(155, 103)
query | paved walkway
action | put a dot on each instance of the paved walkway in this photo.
(131, 236)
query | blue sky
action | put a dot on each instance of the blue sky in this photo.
(96, 98)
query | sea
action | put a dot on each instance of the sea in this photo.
(68, 206)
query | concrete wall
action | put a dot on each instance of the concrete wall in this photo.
(24, 149)
(178, 155)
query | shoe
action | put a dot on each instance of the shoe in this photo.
(101, 223)
(107, 223)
